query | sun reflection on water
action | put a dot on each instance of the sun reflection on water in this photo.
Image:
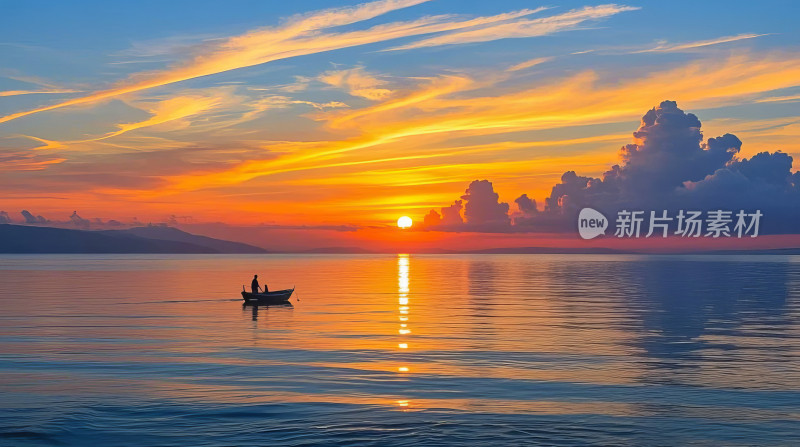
(402, 300)
(403, 311)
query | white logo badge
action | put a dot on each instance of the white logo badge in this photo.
(591, 223)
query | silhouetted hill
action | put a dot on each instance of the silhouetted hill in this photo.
(339, 250)
(31, 239)
(549, 250)
(164, 233)
(766, 251)
(611, 251)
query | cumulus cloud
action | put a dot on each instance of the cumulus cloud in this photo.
(452, 214)
(526, 210)
(432, 219)
(174, 220)
(78, 221)
(526, 205)
(667, 151)
(668, 166)
(31, 219)
(482, 205)
(478, 210)
(764, 182)
(74, 221)
(449, 219)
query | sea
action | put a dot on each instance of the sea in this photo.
(400, 350)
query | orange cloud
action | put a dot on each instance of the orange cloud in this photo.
(169, 110)
(295, 38)
(26, 161)
(441, 131)
(357, 82)
(300, 36)
(415, 126)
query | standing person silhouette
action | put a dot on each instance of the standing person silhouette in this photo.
(254, 285)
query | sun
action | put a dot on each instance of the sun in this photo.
(404, 222)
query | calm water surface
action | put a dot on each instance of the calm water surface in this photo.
(479, 350)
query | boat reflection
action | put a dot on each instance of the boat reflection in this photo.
(265, 307)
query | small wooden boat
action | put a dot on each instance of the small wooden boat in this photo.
(276, 297)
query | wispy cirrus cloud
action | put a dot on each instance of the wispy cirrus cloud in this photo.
(161, 112)
(169, 110)
(665, 47)
(45, 87)
(451, 107)
(306, 34)
(357, 82)
(504, 29)
(530, 63)
(26, 161)
(36, 92)
(299, 36)
(206, 112)
(779, 98)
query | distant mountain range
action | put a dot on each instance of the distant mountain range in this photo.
(149, 239)
(163, 239)
(560, 251)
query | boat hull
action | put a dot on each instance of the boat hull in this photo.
(276, 297)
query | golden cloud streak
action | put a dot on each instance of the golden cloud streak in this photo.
(521, 28)
(171, 109)
(300, 36)
(261, 46)
(436, 113)
(665, 48)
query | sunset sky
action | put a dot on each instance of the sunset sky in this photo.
(316, 117)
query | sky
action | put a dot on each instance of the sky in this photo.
(320, 123)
